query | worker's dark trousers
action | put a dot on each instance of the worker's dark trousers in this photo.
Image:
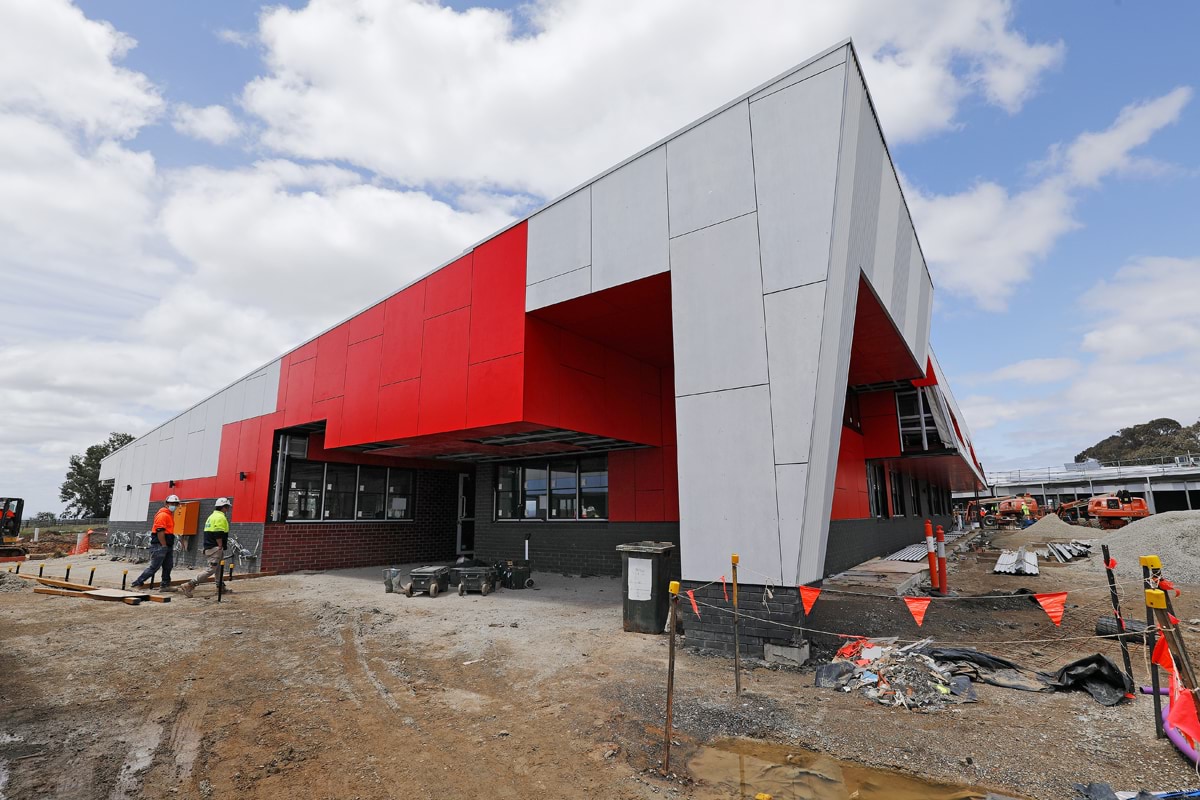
(160, 556)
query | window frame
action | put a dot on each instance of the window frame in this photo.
(292, 461)
(549, 466)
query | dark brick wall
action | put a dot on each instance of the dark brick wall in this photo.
(853, 541)
(757, 621)
(430, 536)
(570, 548)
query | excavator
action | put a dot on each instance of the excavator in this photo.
(1106, 511)
(11, 509)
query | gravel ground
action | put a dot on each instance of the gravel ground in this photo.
(1172, 535)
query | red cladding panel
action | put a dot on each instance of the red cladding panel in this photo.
(403, 330)
(227, 459)
(281, 392)
(398, 404)
(581, 397)
(667, 401)
(881, 427)
(850, 499)
(449, 288)
(650, 506)
(360, 407)
(649, 466)
(494, 390)
(260, 477)
(444, 372)
(303, 352)
(367, 324)
(622, 487)
(671, 484)
(582, 354)
(331, 412)
(299, 408)
(247, 462)
(498, 296)
(541, 372)
(330, 378)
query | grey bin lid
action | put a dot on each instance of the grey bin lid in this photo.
(658, 548)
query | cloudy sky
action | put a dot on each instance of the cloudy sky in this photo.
(188, 189)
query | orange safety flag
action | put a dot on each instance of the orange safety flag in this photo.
(1111, 563)
(1182, 713)
(1162, 654)
(808, 596)
(1167, 586)
(85, 544)
(1053, 603)
(723, 590)
(692, 596)
(917, 607)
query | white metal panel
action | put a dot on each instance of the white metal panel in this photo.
(710, 172)
(826, 62)
(558, 289)
(162, 453)
(235, 397)
(270, 403)
(212, 435)
(905, 244)
(139, 504)
(882, 271)
(193, 465)
(252, 401)
(560, 237)
(717, 308)
(727, 483)
(629, 222)
(794, 321)
(924, 315)
(110, 465)
(791, 487)
(852, 243)
(144, 455)
(912, 301)
(796, 133)
(178, 460)
(197, 416)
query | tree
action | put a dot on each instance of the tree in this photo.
(1153, 439)
(82, 490)
(45, 517)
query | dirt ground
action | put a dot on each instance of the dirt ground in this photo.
(323, 686)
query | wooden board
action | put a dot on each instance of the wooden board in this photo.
(116, 594)
(61, 584)
(236, 577)
(57, 592)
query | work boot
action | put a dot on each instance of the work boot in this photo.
(167, 589)
(187, 589)
(227, 589)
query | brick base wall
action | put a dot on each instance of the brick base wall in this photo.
(714, 629)
(853, 541)
(431, 536)
(569, 548)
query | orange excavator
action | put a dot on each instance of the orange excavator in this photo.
(1106, 511)
(10, 529)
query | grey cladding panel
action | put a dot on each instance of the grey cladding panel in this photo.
(559, 288)
(796, 133)
(827, 62)
(710, 172)
(717, 308)
(882, 272)
(904, 248)
(791, 486)
(924, 313)
(560, 237)
(629, 222)
(794, 321)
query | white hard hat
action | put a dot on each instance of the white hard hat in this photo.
(223, 501)
(172, 498)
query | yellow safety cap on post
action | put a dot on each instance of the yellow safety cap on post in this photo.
(1156, 598)
(1153, 562)
(735, 558)
(763, 796)
(674, 587)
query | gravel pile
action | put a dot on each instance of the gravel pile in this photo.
(1173, 535)
(1051, 525)
(11, 583)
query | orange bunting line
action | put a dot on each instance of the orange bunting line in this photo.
(692, 596)
(1111, 563)
(1054, 604)
(917, 607)
(724, 591)
(808, 596)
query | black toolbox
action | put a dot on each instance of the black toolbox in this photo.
(433, 580)
(474, 578)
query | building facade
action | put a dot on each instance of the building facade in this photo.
(722, 342)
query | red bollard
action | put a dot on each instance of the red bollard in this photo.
(943, 584)
(933, 569)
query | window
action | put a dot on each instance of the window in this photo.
(915, 489)
(340, 480)
(401, 493)
(897, 494)
(561, 489)
(918, 431)
(877, 490)
(371, 484)
(304, 490)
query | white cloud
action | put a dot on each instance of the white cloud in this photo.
(1035, 370)
(211, 123)
(57, 65)
(1150, 308)
(239, 38)
(983, 243)
(423, 94)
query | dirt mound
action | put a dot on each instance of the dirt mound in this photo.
(1174, 535)
(11, 583)
(1051, 525)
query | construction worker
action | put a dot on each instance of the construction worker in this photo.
(1025, 513)
(216, 539)
(162, 546)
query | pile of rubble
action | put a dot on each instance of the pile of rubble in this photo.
(895, 676)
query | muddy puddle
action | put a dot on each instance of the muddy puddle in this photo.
(737, 768)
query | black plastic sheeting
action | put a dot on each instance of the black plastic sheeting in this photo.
(1102, 791)
(1096, 674)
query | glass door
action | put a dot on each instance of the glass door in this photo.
(466, 513)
